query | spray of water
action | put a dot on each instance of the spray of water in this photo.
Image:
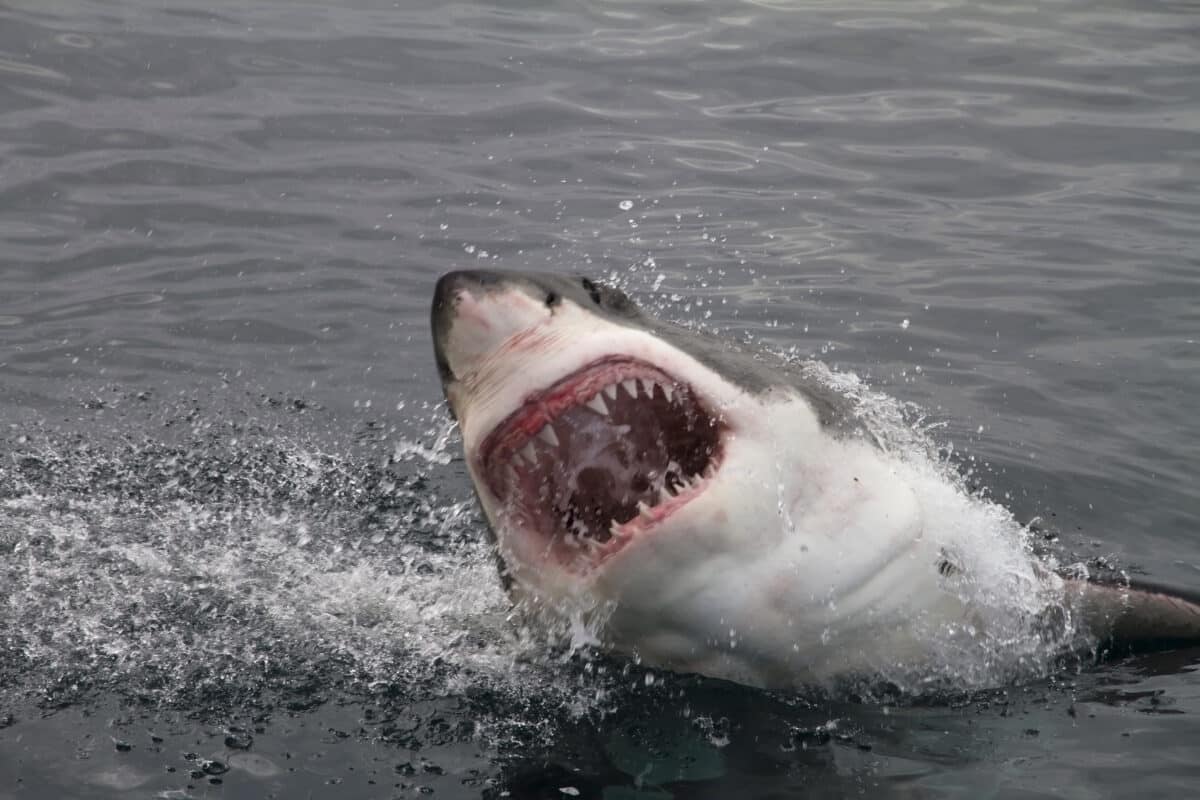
(213, 565)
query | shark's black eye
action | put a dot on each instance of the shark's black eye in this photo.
(593, 291)
(552, 299)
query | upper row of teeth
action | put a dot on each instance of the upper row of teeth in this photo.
(597, 403)
(529, 454)
(630, 385)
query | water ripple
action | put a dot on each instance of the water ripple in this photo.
(989, 209)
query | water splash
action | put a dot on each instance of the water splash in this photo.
(1021, 626)
(223, 564)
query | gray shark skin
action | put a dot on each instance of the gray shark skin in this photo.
(668, 495)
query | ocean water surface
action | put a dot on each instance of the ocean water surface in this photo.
(239, 553)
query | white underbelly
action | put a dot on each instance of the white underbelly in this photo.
(853, 587)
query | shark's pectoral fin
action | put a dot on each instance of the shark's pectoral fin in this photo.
(1136, 615)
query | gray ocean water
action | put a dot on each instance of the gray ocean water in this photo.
(238, 551)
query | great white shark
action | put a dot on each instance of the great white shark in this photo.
(711, 511)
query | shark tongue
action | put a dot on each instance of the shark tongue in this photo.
(598, 449)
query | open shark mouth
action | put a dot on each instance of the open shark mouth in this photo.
(607, 451)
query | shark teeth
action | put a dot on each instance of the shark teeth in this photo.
(670, 489)
(529, 452)
(597, 404)
(547, 435)
(635, 388)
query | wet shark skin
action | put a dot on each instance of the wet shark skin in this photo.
(842, 571)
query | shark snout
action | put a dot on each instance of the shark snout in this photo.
(475, 312)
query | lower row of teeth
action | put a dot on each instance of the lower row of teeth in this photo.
(578, 539)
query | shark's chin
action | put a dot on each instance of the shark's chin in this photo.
(604, 454)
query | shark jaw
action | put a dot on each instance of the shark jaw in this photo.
(585, 435)
(602, 455)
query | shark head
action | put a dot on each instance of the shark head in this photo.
(585, 430)
(626, 462)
